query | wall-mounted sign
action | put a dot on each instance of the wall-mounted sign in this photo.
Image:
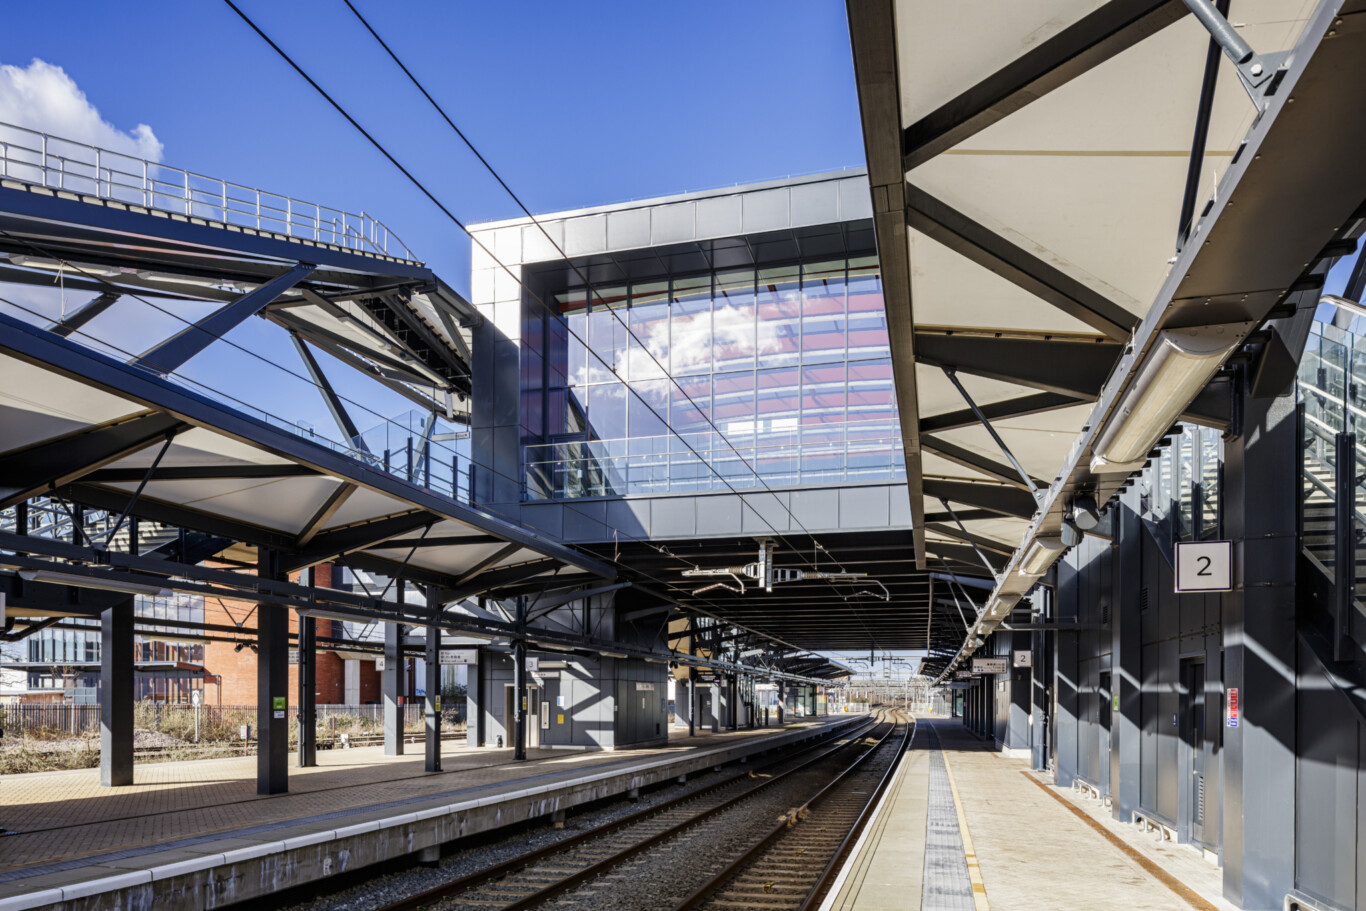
(990, 666)
(379, 664)
(278, 706)
(644, 687)
(459, 656)
(1023, 658)
(1232, 710)
(533, 664)
(1204, 566)
(294, 656)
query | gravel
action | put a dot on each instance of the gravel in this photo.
(390, 887)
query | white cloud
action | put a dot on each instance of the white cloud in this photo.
(43, 97)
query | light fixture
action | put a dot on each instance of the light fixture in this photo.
(1178, 367)
(75, 270)
(101, 581)
(611, 654)
(1085, 514)
(1040, 556)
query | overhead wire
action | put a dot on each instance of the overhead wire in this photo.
(531, 294)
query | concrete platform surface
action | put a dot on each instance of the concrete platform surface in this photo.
(202, 826)
(1028, 845)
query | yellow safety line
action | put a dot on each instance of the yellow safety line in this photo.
(979, 889)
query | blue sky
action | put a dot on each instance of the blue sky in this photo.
(576, 104)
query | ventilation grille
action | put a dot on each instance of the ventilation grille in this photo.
(1200, 800)
(1143, 598)
(1105, 614)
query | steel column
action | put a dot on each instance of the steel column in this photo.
(432, 673)
(116, 698)
(272, 684)
(308, 690)
(392, 683)
(1344, 544)
(519, 699)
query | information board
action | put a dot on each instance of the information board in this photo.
(990, 665)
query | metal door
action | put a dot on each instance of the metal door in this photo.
(1104, 716)
(1193, 742)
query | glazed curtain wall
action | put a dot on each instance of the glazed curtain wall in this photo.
(791, 364)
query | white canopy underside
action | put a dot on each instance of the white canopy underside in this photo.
(1089, 178)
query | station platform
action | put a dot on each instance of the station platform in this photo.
(196, 834)
(962, 827)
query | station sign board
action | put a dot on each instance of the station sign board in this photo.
(965, 675)
(990, 666)
(459, 656)
(1204, 566)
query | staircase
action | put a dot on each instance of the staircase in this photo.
(1319, 511)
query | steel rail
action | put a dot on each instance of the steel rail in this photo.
(516, 864)
(791, 819)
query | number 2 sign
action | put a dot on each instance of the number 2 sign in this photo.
(1204, 566)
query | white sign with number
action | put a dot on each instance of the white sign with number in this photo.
(1204, 566)
(1023, 658)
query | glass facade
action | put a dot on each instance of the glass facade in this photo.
(1181, 485)
(783, 370)
(166, 670)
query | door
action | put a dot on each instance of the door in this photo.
(533, 713)
(1103, 718)
(1193, 745)
(1198, 799)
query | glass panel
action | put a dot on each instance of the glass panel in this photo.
(649, 320)
(823, 312)
(691, 316)
(1211, 457)
(778, 305)
(732, 320)
(867, 318)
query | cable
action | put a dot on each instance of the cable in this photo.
(669, 586)
(421, 187)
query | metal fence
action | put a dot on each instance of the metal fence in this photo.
(64, 719)
(63, 164)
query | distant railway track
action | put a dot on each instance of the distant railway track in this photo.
(744, 805)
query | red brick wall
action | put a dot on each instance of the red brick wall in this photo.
(238, 668)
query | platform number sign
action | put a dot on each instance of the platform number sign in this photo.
(1204, 566)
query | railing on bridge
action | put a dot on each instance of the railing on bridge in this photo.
(49, 161)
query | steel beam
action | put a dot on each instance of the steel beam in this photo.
(170, 355)
(497, 578)
(52, 463)
(1008, 501)
(116, 701)
(1022, 406)
(102, 302)
(431, 703)
(1072, 52)
(326, 546)
(994, 470)
(198, 473)
(339, 495)
(391, 681)
(1070, 368)
(988, 249)
(952, 531)
(350, 433)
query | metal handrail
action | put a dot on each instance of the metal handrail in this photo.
(40, 159)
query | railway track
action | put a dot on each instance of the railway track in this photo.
(592, 860)
(792, 866)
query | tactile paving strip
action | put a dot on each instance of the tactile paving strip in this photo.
(946, 884)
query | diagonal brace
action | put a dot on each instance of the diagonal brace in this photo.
(1010, 456)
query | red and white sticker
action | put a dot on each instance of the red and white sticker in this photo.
(1233, 707)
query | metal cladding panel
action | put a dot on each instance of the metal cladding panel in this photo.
(815, 203)
(766, 210)
(629, 517)
(545, 517)
(720, 216)
(585, 521)
(765, 512)
(855, 200)
(672, 224)
(719, 515)
(536, 246)
(628, 229)
(813, 508)
(673, 517)
(584, 235)
(867, 507)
